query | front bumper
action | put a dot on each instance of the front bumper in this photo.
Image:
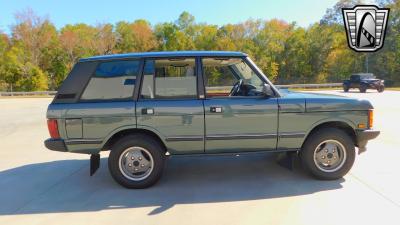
(56, 145)
(363, 136)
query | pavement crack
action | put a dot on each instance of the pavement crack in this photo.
(375, 190)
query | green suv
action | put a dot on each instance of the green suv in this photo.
(146, 106)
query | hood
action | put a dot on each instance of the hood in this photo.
(325, 102)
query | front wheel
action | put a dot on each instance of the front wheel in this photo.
(136, 161)
(328, 154)
(380, 89)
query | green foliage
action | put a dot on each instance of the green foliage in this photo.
(32, 79)
(37, 56)
(19, 74)
(135, 37)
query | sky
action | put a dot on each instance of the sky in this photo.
(219, 12)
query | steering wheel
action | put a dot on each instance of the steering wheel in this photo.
(236, 88)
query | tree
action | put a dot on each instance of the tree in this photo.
(34, 33)
(271, 44)
(206, 38)
(37, 56)
(185, 21)
(105, 39)
(78, 41)
(135, 37)
(172, 38)
(334, 15)
(4, 45)
(21, 75)
(295, 67)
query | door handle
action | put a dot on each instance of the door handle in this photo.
(147, 111)
(216, 109)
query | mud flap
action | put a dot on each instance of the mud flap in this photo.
(286, 159)
(94, 163)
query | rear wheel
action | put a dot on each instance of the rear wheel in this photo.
(346, 88)
(136, 161)
(380, 89)
(328, 154)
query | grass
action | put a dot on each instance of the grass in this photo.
(393, 88)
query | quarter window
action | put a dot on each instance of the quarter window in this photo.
(169, 79)
(112, 80)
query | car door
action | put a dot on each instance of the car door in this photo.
(245, 121)
(105, 105)
(168, 104)
(355, 81)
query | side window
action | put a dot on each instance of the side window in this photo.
(222, 75)
(355, 78)
(112, 80)
(169, 79)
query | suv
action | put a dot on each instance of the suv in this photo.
(146, 106)
(363, 81)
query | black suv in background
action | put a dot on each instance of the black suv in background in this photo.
(363, 81)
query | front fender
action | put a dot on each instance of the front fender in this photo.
(330, 120)
(326, 121)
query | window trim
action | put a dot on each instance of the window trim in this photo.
(138, 98)
(258, 71)
(93, 74)
(244, 59)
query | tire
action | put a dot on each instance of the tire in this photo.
(363, 88)
(313, 151)
(346, 88)
(137, 147)
(380, 89)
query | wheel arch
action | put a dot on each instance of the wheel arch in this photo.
(343, 125)
(128, 131)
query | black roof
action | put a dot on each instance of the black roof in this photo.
(166, 54)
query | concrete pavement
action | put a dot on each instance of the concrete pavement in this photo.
(38, 186)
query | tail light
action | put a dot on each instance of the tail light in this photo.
(53, 128)
(370, 118)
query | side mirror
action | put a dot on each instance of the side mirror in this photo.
(267, 90)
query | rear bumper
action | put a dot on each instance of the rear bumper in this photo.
(56, 145)
(363, 136)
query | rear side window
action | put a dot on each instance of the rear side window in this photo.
(112, 80)
(169, 79)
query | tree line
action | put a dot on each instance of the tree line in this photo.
(37, 56)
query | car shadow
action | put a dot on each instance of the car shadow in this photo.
(65, 186)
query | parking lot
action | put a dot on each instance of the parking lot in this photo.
(38, 186)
